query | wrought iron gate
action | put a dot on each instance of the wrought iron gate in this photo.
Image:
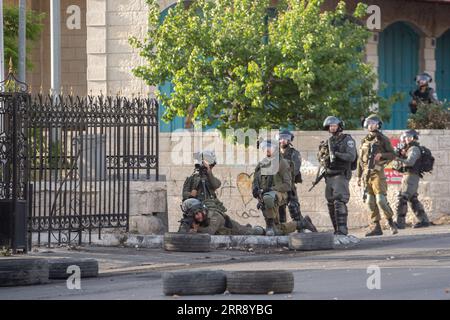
(84, 151)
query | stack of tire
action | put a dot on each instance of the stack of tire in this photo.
(34, 271)
(185, 283)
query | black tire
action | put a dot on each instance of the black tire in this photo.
(187, 242)
(23, 272)
(260, 282)
(58, 267)
(184, 283)
(311, 241)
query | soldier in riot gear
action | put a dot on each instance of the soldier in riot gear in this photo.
(202, 186)
(289, 153)
(375, 152)
(424, 94)
(409, 163)
(271, 183)
(336, 156)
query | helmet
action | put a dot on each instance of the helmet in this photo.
(268, 144)
(373, 118)
(286, 135)
(192, 206)
(409, 133)
(332, 120)
(423, 79)
(207, 155)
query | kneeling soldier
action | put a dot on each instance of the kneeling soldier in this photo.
(202, 186)
(409, 163)
(271, 183)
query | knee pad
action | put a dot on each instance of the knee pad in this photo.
(402, 198)
(269, 201)
(341, 208)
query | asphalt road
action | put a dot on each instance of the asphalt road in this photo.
(416, 268)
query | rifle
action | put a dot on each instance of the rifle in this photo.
(186, 222)
(370, 167)
(319, 176)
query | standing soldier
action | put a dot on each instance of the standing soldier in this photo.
(410, 164)
(271, 183)
(424, 94)
(375, 152)
(289, 153)
(202, 186)
(337, 157)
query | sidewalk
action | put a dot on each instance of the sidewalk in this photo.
(123, 260)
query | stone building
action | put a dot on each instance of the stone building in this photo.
(414, 37)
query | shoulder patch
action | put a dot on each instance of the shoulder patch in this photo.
(351, 144)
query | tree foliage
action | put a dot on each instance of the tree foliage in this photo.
(11, 32)
(239, 64)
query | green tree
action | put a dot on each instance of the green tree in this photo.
(245, 66)
(11, 32)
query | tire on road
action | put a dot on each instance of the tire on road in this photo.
(187, 242)
(260, 282)
(184, 283)
(311, 241)
(23, 272)
(58, 267)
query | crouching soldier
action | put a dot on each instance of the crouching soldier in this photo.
(410, 163)
(271, 183)
(202, 186)
(209, 218)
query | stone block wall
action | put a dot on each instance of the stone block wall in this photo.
(235, 191)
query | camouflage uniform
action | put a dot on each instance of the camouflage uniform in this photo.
(376, 183)
(273, 176)
(410, 166)
(293, 156)
(218, 222)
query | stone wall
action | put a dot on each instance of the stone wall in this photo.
(236, 193)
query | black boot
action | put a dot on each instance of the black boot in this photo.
(341, 217)
(401, 210)
(375, 230)
(270, 228)
(421, 224)
(392, 226)
(332, 213)
(306, 223)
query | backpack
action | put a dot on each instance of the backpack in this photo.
(426, 160)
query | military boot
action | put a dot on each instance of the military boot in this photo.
(423, 220)
(306, 223)
(392, 226)
(375, 230)
(332, 213)
(402, 209)
(270, 228)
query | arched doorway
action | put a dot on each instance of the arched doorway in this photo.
(443, 66)
(398, 51)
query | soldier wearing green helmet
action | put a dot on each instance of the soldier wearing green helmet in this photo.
(375, 152)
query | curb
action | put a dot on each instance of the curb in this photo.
(217, 242)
